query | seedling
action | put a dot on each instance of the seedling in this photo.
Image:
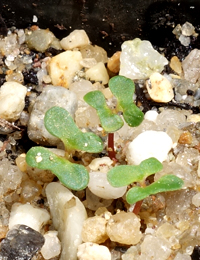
(123, 89)
(74, 176)
(59, 123)
(126, 174)
(110, 122)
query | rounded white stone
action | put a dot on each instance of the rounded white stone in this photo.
(12, 100)
(196, 200)
(99, 186)
(52, 245)
(92, 251)
(26, 214)
(151, 115)
(149, 144)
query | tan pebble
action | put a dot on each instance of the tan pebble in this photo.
(94, 230)
(159, 88)
(124, 228)
(21, 162)
(175, 65)
(185, 138)
(3, 231)
(193, 118)
(114, 62)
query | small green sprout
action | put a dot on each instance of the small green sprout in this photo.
(109, 121)
(126, 174)
(73, 176)
(59, 123)
(168, 182)
(123, 89)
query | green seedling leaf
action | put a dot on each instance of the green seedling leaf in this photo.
(109, 121)
(165, 183)
(123, 89)
(123, 175)
(73, 176)
(59, 123)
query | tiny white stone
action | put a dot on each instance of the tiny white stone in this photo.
(100, 186)
(98, 73)
(28, 215)
(35, 19)
(151, 115)
(149, 144)
(92, 251)
(196, 200)
(52, 245)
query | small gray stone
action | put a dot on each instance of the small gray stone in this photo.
(21, 243)
(50, 97)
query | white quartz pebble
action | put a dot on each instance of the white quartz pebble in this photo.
(98, 73)
(159, 88)
(52, 246)
(12, 100)
(50, 96)
(92, 251)
(191, 68)
(68, 215)
(149, 144)
(99, 186)
(139, 59)
(63, 67)
(151, 115)
(26, 214)
(76, 39)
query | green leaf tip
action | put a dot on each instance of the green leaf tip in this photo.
(124, 175)
(60, 123)
(109, 121)
(73, 176)
(123, 89)
(165, 183)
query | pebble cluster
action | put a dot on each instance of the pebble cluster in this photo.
(37, 72)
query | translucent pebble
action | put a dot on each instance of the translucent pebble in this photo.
(94, 51)
(185, 40)
(191, 68)
(28, 215)
(50, 96)
(124, 228)
(94, 202)
(139, 60)
(40, 40)
(94, 230)
(99, 185)
(155, 248)
(12, 100)
(149, 144)
(188, 29)
(30, 190)
(92, 251)
(176, 65)
(196, 200)
(76, 39)
(52, 246)
(180, 256)
(170, 117)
